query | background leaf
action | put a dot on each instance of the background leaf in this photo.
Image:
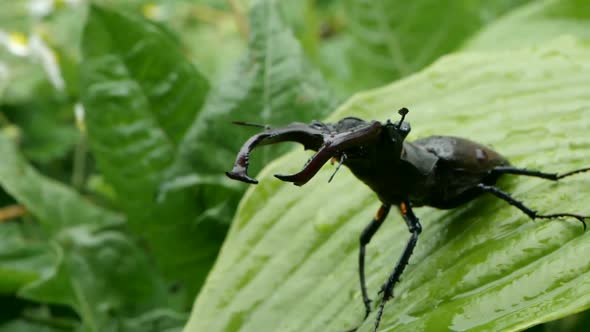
(98, 271)
(24, 326)
(292, 252)
(47, 128)
(392, 39)
(104, 276)
(71, 263)
(273, 84)
(140, 95)
(56, 206)
(174, 89)
(534, 24)
(23, 258)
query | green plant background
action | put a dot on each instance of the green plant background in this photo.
(115, 132)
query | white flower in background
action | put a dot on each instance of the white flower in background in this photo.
(45, 55)
(41, 8)
(37, 50)
(3, 77)
(79, 113)
(15, 42)
(153, 11)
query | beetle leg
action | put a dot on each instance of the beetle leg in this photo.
(365, 238)
(527, 172)
(342, 159)
(415, 229)
(528, 211)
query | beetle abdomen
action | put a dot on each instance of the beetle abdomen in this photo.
(461, 153)
(462, 164)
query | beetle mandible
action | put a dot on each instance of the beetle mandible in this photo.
(438, 171)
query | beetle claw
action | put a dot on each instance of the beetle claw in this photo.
(310, 137)
(328, 140)
(241, 176)
(291, 178)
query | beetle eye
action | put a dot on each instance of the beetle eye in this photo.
(405, 129)
(349, 123)
(398, 134)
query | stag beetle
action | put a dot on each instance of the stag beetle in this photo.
(439, 171)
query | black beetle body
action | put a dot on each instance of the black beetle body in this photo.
(439, 171)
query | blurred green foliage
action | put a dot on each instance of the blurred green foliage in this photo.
(115, 130)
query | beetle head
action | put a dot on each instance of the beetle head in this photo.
(350, 138)
(398, 131)
(330, 140)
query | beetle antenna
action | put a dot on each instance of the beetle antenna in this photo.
(342, 159)
(251, 124)
(403, 111)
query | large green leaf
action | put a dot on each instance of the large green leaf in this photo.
(535, 23)
(273, 84)
(290, 260)
(140, 95)
(395, 38)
